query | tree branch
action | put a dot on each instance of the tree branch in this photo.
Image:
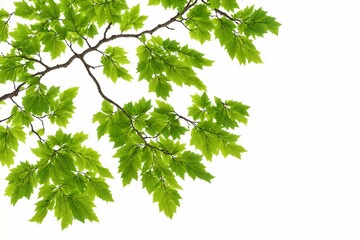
(13, 93)
(227, 16)
(3, 120)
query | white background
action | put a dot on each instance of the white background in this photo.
(300, 178)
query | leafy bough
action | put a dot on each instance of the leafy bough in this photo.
(147, 134)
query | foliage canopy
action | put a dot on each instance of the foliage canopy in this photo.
(147, 134)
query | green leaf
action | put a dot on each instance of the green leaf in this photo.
(38, 98)
(72, 206)
(119, 129)
(184, 75)
(130, 162)
(132, 19)
(167, 198)
(199, 23)
(210, 138)
(41, 211)
(109, 11)
(3, 13)
(25, 39)
(11, 69)
(150, 181)
(164, 121)
(88, 158)
(20, 117)
(214, 3)
(51, 10)
(245, 51)
(21, 182)
(256, 22)
(179, 4)
(4, 33)
(190, 163)
(100, 188)
(107, 107)
(75, 20)
(104, 123)
(53, 44)
(47, 192)
(223, 30)
(236, 45)
(193, 58)
(64, 107)
(10, 142)
(92, 31)
(201, 107)
(229, 5)
(113, 58)
(230, 113)
(160, 85)
(139, 108)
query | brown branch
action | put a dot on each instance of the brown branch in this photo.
(227, 16)
(36, 133)
(194, 123)
(102, 94)
(13, 93)
(106, 30)
(3, 120)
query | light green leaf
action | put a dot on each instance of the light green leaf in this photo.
(132, 19)
(256, 22)
(210, 138)
(10, 142)
(130, 162)
(160, 85)
(20, 117)
(223, 30)
(21, 182)
(113, 58)
(193, 58)
(167, 198)
(47, 193)
(38, 99)
(101, 189)
(25, 39)
(4, 31)
(53, 44)
(230, 113)
(214, 3)
(190, 163)
(229, 5)
(64, 107)
(199, 23)
(184, 75)
(150, 181)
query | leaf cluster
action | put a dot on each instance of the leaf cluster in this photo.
(153, 142)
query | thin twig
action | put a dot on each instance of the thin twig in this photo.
(5, 119)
